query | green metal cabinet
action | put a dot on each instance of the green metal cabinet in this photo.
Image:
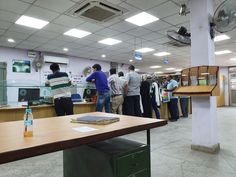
(116, 157)
(3, 88)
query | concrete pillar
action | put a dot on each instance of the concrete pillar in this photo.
(204, 118)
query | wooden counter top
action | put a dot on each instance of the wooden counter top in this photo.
(56, 133)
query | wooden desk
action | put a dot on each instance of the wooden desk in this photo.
(56, 133)
(41, 111)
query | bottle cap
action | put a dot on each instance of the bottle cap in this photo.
(28, 110)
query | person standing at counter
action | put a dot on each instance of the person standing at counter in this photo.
(103, 91)
(116, 86)
(132, 99)
(173, 103)
(59, 83)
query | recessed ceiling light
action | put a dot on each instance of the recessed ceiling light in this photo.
(131, 60)
(141, 19)
(136, 69)
(11, 40)
(233, 59)
(103, 56)
(223, 52)
(77, 33)
(161, 54)
(221, 38)
(109, 41)
(144, 50)
(66, 49)
(159, 72)
(31, 22)
(154, 67)
(169, 69)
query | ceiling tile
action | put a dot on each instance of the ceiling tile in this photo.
(46, 34)
(68, 21)
(123, 26)
(41, 13)
(13, 6)
(91, 27)
(56, 28)
(65, 38)
(16, 35)
(141, 4)
(163, 40)
(59, 6)
(2, 31)
(73, 45)
(8, 16)
(107, 32)
(123, 37)
(153, 36)
(22, 29)
(35, 38)
(139, 31)
(95, 37)
(177, 19)
(56, 42)
(83, 42)
(156, 26)
(5, 24)
(28, 1)
(28, 45)
(164, 10)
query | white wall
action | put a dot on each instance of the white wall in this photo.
(225, 72)
(75, 67)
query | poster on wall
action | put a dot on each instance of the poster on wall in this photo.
(21, 66)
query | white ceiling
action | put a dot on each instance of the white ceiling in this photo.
(153, 35)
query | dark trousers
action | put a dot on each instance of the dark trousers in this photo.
(155, 107)
(173, 108)
(132, 106)
(184, 106)
(63, 106)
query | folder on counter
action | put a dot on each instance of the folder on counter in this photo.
(99, 120)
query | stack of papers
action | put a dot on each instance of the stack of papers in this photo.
(99, 120)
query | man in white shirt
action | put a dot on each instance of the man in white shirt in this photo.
(116, 87)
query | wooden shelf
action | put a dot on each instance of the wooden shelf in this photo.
(199, 81)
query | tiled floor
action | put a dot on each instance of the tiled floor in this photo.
(171, 153)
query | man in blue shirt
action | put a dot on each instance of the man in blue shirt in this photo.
(173, 103)
(103, 91)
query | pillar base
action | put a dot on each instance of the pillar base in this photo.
(212, 150)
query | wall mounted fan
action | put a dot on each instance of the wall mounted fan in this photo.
(87, 70)
(180, 37)
(224, 18)
(38, 62)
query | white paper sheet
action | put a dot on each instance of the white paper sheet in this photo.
(84, 129)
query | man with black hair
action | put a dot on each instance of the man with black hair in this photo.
(132, 99)
(59, 83)
(101, 83)
(116, 86)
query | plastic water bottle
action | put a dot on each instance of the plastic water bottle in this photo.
(28, 123)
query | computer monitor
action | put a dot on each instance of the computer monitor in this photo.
(89, 94)
(28, 94)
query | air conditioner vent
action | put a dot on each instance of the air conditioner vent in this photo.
(99, 11)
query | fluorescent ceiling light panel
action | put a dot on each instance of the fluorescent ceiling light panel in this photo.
(31, 22)
(223, 52)
(130, 60)
(221, 38)
(11, 40)
(159, 72)
(109, 41)
(77, 33)
(156, 66)
(161, 54)
(144, 50)
(233, 59)
(142, 18)
(178, 70)
(103, 56)
(169, 69)
(136, 69)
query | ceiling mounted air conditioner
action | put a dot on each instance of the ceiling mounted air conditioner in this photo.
(99, 10)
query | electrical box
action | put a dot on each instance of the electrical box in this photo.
(116, 157)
